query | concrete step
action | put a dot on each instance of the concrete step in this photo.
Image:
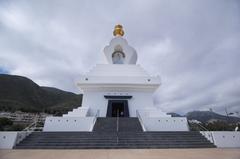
(117, 147)
(105, 136)
(121, 124)
(87, 141)
(109, 139)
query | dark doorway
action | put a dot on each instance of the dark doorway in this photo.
(117, 108)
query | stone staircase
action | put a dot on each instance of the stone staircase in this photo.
(108, 133)
(117, 125)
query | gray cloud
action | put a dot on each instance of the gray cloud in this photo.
(193, 45)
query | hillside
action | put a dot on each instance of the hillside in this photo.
(21, 93)
(205, 116)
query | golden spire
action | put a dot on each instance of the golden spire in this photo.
(118, 30)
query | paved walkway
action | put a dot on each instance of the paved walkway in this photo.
(123, 154)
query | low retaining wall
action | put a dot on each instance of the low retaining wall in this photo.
(8, 139)
(165, 123)
(223, 139)
(69, 123)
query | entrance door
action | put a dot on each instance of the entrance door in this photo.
(117, 108)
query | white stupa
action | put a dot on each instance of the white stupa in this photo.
(120, 88)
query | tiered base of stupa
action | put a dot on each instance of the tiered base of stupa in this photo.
(114, 90)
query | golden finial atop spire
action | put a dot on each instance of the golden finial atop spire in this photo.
(118, 30)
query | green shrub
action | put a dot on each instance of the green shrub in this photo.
(5, 121)
(16, 127)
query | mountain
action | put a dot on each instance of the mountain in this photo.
(206, 116)
(21, 93)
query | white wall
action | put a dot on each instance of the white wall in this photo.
(104, 79)
(152, 112)
(165, 123)
(223, 139)
(139, 100)
(78, 112)
(7, 139)
(95, 101)
(69, 123)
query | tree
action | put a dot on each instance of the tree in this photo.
(220, 126)
(5, 121)
(16, 127)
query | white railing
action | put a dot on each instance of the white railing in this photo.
(28, 130)
(140, 119)
(88, 112)
(205, 131)
(22, 135)
(33, 126)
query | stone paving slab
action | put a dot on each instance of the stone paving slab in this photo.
(123, 154)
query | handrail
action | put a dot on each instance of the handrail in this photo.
(205, 129)
(202, 127)
(27, 131)
(97, 114)
(29, 126)
(140, 119)
(32, 125)
(117, 119)
(117, 124)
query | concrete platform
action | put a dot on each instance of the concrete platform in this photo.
(123, 154)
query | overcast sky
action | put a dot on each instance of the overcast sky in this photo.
(193, 45)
